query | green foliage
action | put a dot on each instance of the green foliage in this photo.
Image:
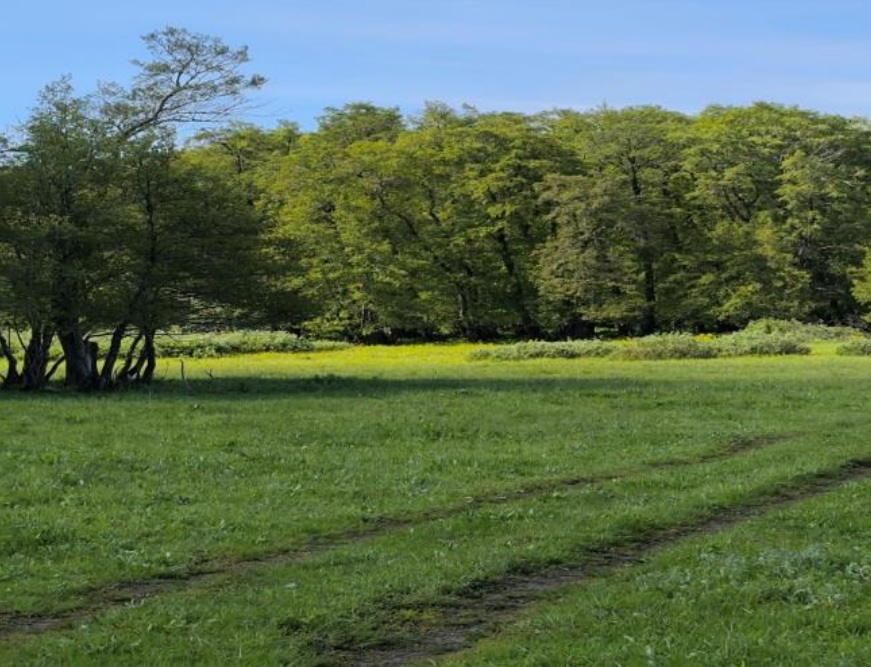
(656, 347)
(638, 219)
(686, 346)
(110, 227)
(429, 229)
(751, 343)
(545, 350)
(770, 185)
(801, 330)
(861, 347)
(617, 224)
(668, 346)
(451, 224)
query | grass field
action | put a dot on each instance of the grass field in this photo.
(385, 506)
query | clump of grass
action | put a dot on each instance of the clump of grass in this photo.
(800, 330)
(861, 347)
(652, 348)
(753, 343)
(238, 342)
(537, 349)
(669, 346)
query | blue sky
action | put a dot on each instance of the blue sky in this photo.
(518, 55)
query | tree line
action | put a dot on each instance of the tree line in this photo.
(375, 226)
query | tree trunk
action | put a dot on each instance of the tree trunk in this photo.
(127, 373)
(142, 370)
(106, 377)
(648, 318)
(12, 377)
(34, 373)
(150, 357)
(80, 361)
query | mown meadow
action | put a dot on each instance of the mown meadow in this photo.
(443, 504)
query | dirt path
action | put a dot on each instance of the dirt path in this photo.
(100, 599)
(481, 612)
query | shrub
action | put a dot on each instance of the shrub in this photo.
(652, 348)
(855, 347)
(669, 346)
(749, 343)
(237, 342)
(799, 330)
(544, 350)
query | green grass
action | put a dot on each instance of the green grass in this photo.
(792, 587)
(351, 499)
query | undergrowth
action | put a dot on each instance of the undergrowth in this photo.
(208, 345)
(801, 330)
(238, 342)
(861, 347)
(750, 342)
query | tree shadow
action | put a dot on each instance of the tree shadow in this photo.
(340, 386)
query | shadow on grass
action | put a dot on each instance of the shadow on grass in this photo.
(341, 386)
(335, 385)
(349, 386)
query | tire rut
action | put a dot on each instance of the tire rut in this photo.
(103, 598)
(483, 609)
